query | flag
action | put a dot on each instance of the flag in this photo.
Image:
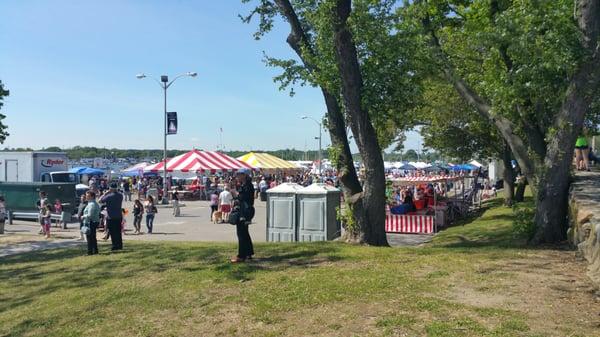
(171, 123)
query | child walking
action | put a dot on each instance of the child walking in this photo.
(47, 220)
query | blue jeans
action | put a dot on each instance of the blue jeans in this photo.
(149, 222)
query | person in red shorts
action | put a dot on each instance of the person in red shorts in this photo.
(225, 202)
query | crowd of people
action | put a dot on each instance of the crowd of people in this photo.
(101, 210)
(409, 199)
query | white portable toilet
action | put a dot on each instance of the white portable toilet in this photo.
(317, 209)
(281, 213)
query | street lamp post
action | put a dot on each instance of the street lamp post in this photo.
(320, 140)
(165, 84)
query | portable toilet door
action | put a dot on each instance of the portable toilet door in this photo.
(281, 213)
(318, 205)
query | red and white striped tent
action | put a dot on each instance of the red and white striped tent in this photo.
(200, 161)
(158, 167)
(426, 179)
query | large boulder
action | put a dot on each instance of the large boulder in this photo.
(585, 220)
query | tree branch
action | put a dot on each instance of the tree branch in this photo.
(504, 125)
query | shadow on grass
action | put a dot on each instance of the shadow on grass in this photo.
(489, 227)
(281, 257)
(41, 273)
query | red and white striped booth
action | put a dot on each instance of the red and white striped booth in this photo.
(409, 223)
(200, 161)
(426, 179)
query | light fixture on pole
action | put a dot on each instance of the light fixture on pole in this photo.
(320, 141)
(165, 84)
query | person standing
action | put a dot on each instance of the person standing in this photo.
(91, 218)
(214, 202)
(58, 208)
(80, 209)
(245, 199)
(138, 213)
(47, 219)
(175, 201)
(114, 206)
(582, 152)
(41, 204)
(151, 210)
(225, 202)
(127, 190)
(2, 214)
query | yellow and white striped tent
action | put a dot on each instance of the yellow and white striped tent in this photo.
(267, 162)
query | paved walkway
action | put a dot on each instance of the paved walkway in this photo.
(194, 225)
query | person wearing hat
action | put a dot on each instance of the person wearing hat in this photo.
(114, 205)
(245, 199)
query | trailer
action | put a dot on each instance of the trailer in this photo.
(21, 198)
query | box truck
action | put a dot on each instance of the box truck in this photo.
(24, 174)
(35, 166)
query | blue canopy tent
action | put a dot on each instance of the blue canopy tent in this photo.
(463, 167)
(87, 170)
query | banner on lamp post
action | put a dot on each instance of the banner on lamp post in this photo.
(171, 123)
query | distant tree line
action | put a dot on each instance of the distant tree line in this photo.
(79, 152)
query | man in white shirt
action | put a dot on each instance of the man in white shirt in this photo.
(225, 203)
(263, 184)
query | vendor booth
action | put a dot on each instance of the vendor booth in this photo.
(435, 204)
(189, 166)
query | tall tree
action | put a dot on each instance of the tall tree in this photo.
(453, 127)
(3, 128)
(360, 122)
(303, 44)
(376, 115)
(533, 71)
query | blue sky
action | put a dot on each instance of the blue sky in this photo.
(70, 67)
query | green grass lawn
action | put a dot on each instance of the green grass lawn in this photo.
(470, 281)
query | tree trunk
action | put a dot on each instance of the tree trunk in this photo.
(520, 191)
(345, 166)
(374, 186)
(554, 177)
(508, 176)
(351, 187)
(552, 207)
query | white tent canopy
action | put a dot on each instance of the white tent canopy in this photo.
(475, 163)
(419, 165)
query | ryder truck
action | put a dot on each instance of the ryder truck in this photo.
(35, 166)
(24, 174)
